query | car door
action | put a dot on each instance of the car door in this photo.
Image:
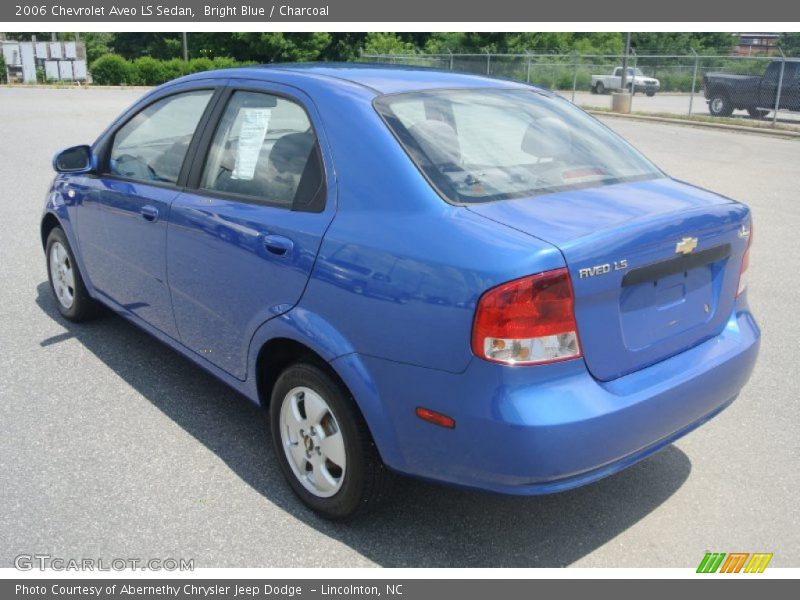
(242, 242)
(124, 211)
(790, 88)
(769, 85)
(616, 79)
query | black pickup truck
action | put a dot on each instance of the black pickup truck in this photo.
(726, 93)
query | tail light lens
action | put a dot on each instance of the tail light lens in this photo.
(745, 264)
(527, 321)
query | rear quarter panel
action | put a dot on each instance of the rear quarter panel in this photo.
(400, 271)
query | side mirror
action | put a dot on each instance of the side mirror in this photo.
(77, 159)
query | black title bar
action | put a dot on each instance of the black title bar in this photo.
(419, 589)
(427, 11)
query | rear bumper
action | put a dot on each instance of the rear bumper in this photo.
(537, 430)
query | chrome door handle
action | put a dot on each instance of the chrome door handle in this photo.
(149, 212)
(277, 244)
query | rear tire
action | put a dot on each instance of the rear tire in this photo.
(720, 106)
(599, 88)
(322, 443)
(66, 281)
(650, 94)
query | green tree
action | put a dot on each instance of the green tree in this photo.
(601, 42)
(682, 42)
(387, 43)
(158, 45)
(790, 43)
(521, 42)
(344, 46)
(279, 47)
(97, 44)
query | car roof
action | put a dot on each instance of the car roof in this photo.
(378, 79)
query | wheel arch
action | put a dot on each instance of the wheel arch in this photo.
(301, 335)
(277, 354)
(719, 90)
(49, 222)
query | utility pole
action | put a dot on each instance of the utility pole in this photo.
(185, 46)
(625, 61)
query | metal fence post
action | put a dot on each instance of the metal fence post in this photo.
(528, 68)
(694, 80)
(450, 52)
(778, 91)
(488, 62)
(575, 77)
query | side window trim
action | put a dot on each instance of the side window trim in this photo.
(199, 159)
(108, 140)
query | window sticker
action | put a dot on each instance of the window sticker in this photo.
(255, 122)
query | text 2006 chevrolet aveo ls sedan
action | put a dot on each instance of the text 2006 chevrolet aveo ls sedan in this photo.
(447, 276)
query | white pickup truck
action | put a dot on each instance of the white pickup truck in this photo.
(636, 82)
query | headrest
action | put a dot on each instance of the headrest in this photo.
(438, 140)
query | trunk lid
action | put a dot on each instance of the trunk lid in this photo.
(654, 265)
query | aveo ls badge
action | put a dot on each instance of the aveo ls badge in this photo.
(617, 265)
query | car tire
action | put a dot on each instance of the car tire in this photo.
(599, 88)
(757, 113)
(720, 106)
(66, 281)
(322, 443)
(650, 94)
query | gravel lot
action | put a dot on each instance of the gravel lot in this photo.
(111, 445)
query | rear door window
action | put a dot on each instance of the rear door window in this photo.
(265, 149)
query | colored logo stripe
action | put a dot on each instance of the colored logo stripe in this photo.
(734, 563)
(758, 562)
(711, 562)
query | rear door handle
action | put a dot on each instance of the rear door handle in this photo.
(149, 212)
(279, 245)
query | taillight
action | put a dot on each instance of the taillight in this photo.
(527, 321)
(745, 263)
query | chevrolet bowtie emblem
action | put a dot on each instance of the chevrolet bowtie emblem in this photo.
(686, 245)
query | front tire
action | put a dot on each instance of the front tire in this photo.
(650, 94)
(66, 281)
(720, 106)
(322, 443)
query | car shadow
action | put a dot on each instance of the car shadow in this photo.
(421, 524)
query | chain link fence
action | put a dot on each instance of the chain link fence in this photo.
(690, 85)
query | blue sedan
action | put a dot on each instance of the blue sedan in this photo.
(441, 275)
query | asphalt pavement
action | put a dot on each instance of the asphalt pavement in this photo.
(113, 446)
(670, 103)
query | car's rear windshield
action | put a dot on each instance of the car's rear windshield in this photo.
(481, 145)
